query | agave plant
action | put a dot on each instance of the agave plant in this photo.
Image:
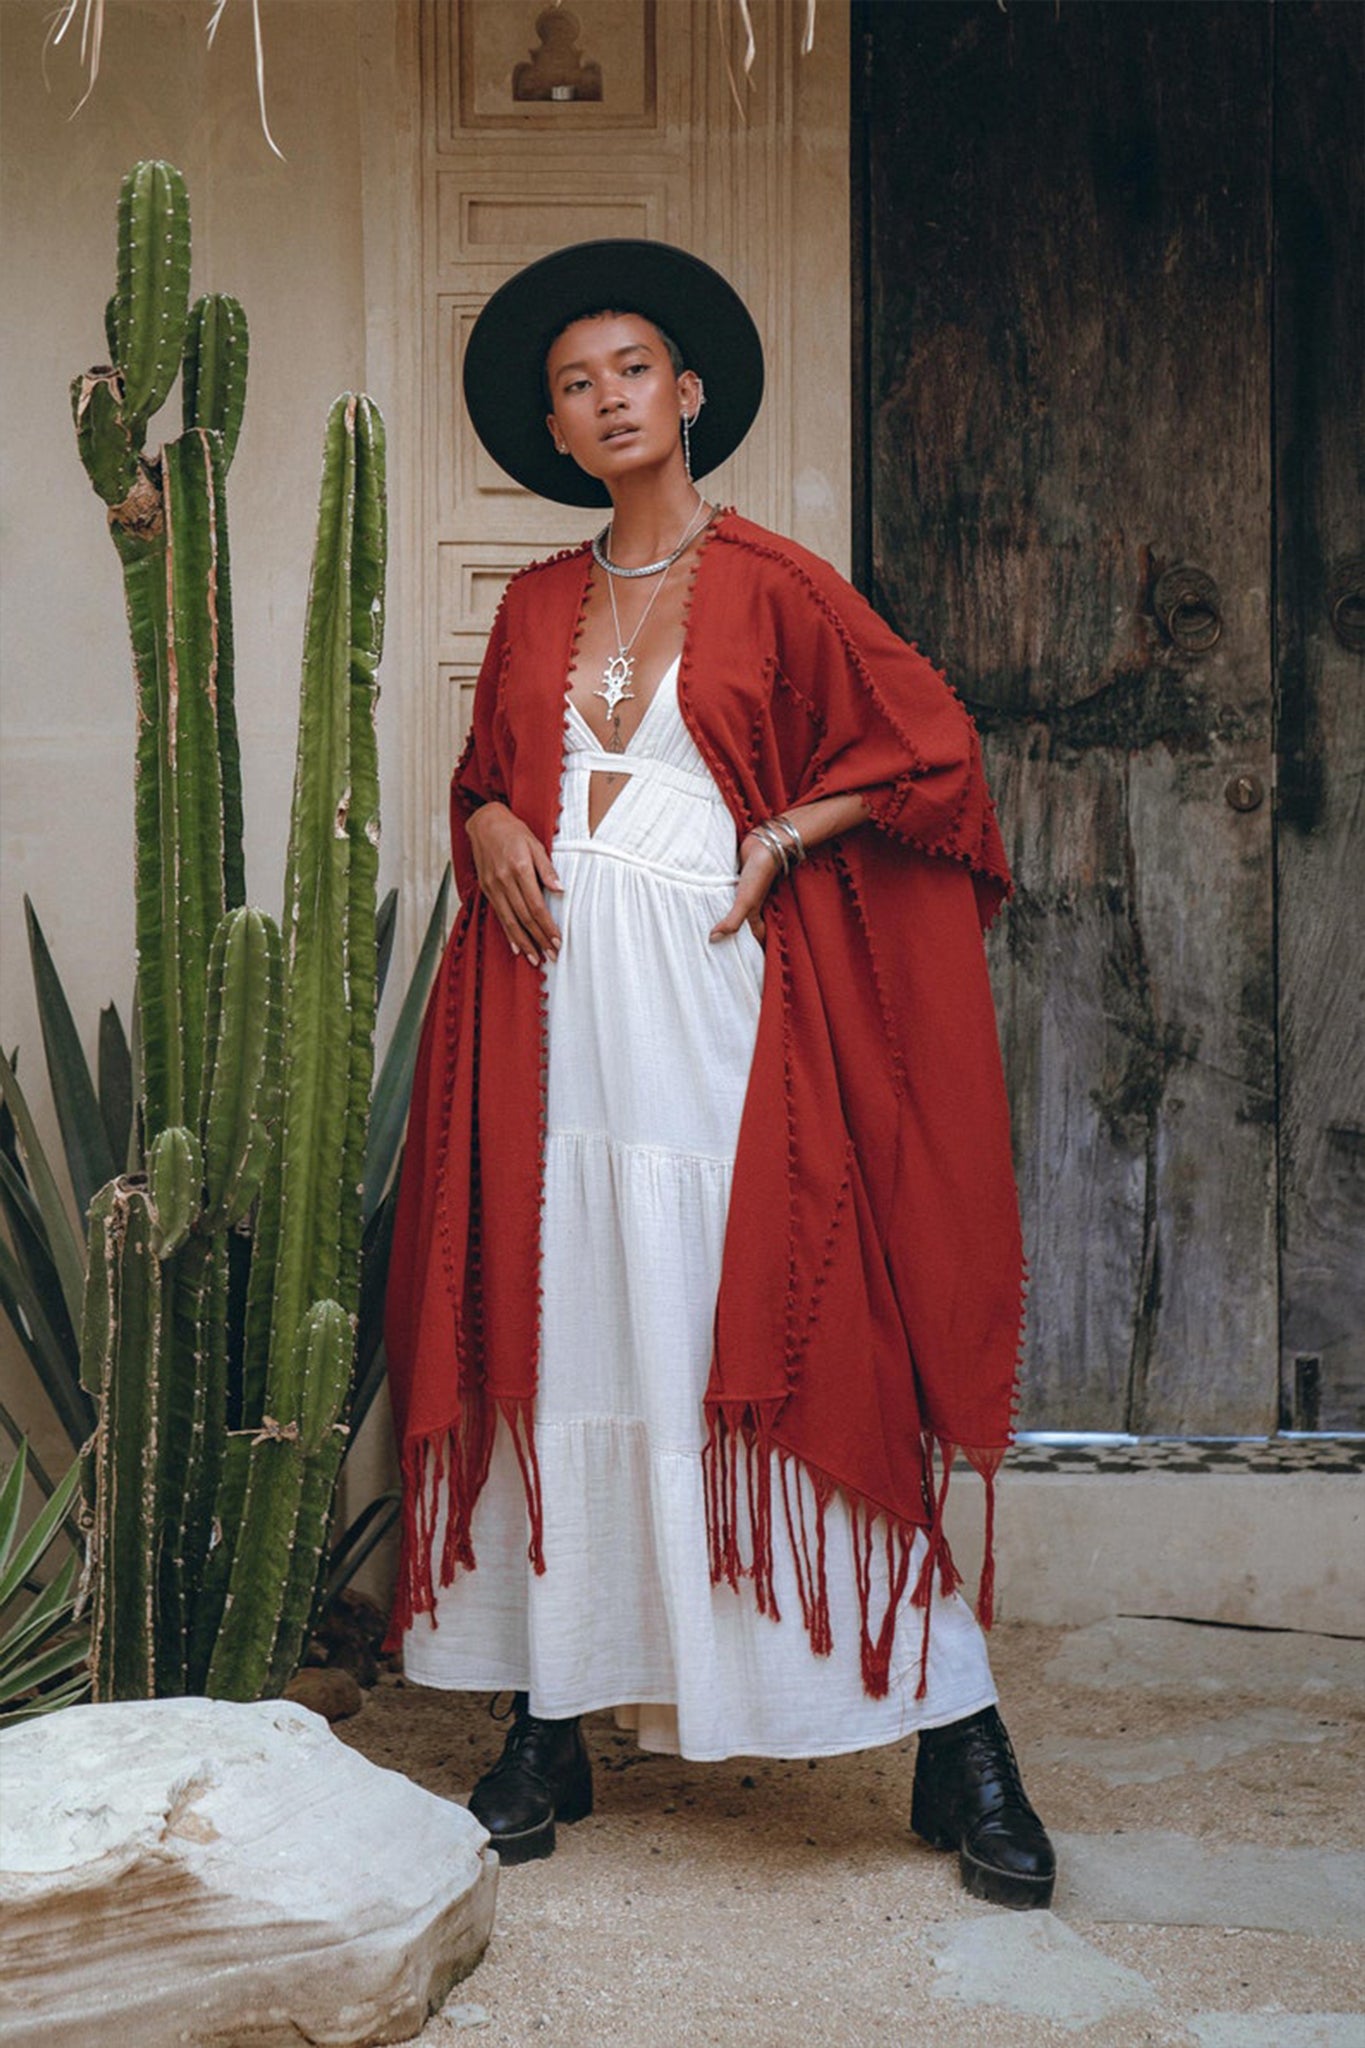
(43, 1651)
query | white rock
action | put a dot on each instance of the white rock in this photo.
(197, 1872)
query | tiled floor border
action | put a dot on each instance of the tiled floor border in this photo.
(1060, 1454)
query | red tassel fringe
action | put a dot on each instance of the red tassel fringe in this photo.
(738, 1433)
(455, 1463)
(448, 1469)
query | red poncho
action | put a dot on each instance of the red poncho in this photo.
(872, 1277)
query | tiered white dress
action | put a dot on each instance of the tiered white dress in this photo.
(651, 1034)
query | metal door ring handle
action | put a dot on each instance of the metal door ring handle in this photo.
(1194, 626)
(1187, 603)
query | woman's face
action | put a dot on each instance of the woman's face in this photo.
(617, 403)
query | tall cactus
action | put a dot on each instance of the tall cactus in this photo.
(257, 1055)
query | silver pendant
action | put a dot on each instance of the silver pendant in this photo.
(616, 682)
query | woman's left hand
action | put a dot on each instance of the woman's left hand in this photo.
(757, 873)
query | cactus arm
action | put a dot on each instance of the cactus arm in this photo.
(179, 1384)
(348, 570)
(330, 1339)
(242, 1063)
(260, 1295)
(194, 1385)
(175, 1169)
(157, 1018)
(153, 287)
(246, 1633)
(229, 749)
(121, 1339)
(213, 375)
(194, 1538)
(280, 1454)
(193, 763)
(105, 447)
(308, 1552)
(214, 394)
(317, 1150)
(175, 1173)
(111, 334)
(216, 1573)
(172, 609)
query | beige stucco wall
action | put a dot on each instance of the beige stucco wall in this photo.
(314, 249)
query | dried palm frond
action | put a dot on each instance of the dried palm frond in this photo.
(91, 13)
(751, 45)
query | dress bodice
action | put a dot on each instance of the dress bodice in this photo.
(669, 814)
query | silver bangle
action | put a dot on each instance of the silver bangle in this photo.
(798, 843)
(776, 846)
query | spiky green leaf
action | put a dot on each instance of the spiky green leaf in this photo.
(61, 1238)
(19, 1554)
(84, 1137)
(114, 1065)
(385, 931)
(393, 1088)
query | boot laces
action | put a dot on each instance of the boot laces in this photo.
(987, 1754)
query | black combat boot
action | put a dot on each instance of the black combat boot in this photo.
(968, 1797)
(543, 1775)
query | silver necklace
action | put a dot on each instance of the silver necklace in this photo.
(604, 561)
(615, 689)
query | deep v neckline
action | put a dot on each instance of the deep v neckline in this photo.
(665, 682)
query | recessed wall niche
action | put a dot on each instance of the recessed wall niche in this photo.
(577, 68)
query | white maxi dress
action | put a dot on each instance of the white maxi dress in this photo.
(651, 1034)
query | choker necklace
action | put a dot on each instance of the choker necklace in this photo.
(620, 668)
(604, 561)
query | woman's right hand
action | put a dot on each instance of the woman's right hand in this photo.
(514, 871)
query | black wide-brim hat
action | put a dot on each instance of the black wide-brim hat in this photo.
(504, 364)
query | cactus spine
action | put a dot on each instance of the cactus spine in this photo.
(257, 1053)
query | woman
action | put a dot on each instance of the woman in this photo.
(707, 1237)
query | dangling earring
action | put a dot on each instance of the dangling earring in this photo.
(688, 422)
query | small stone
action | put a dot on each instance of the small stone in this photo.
(350, 1635)
(333, 1694)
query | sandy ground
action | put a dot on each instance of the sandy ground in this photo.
(1189, 1774)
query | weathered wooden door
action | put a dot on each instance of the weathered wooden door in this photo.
(1092, 496)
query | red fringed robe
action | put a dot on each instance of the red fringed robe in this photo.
(872, 1278)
